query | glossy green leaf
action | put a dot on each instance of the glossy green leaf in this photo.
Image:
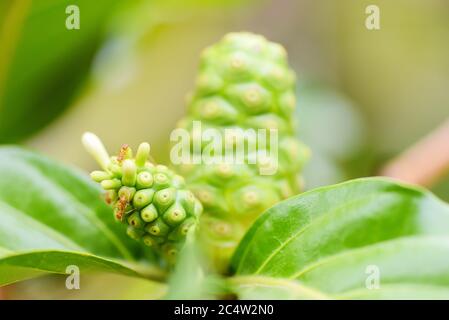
(16, 267)
(52, 216)
(42, 63)
(410, 260)
(328, 237)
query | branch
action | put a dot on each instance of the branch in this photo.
(424, 163)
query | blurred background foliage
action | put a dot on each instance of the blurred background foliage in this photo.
(43, 65)
(363, 96)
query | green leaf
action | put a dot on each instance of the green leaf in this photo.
(265, 288)
(328, 237)
(399, 292)
(411, 260)
(52, 216)
(42, 63)
(16, 267)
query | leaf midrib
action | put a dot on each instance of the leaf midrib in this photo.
(264, 217)
(366, 248)
(309, 225)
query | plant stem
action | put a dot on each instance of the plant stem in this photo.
(424, 163)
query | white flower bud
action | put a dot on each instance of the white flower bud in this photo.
(96, 149)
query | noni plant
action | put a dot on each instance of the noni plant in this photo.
(151, 199)
(369, 238)
(244, 86)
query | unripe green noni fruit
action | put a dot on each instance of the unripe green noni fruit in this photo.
(244, 88)
(151, 199)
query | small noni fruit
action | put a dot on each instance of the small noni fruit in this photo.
(151, 199)
(244, 88)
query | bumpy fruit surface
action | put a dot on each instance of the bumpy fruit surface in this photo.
(244, 83)
(151, 199)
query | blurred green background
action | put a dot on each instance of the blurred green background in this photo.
(363, 95)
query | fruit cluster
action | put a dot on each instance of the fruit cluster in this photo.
(150, 199)
(244, 83)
